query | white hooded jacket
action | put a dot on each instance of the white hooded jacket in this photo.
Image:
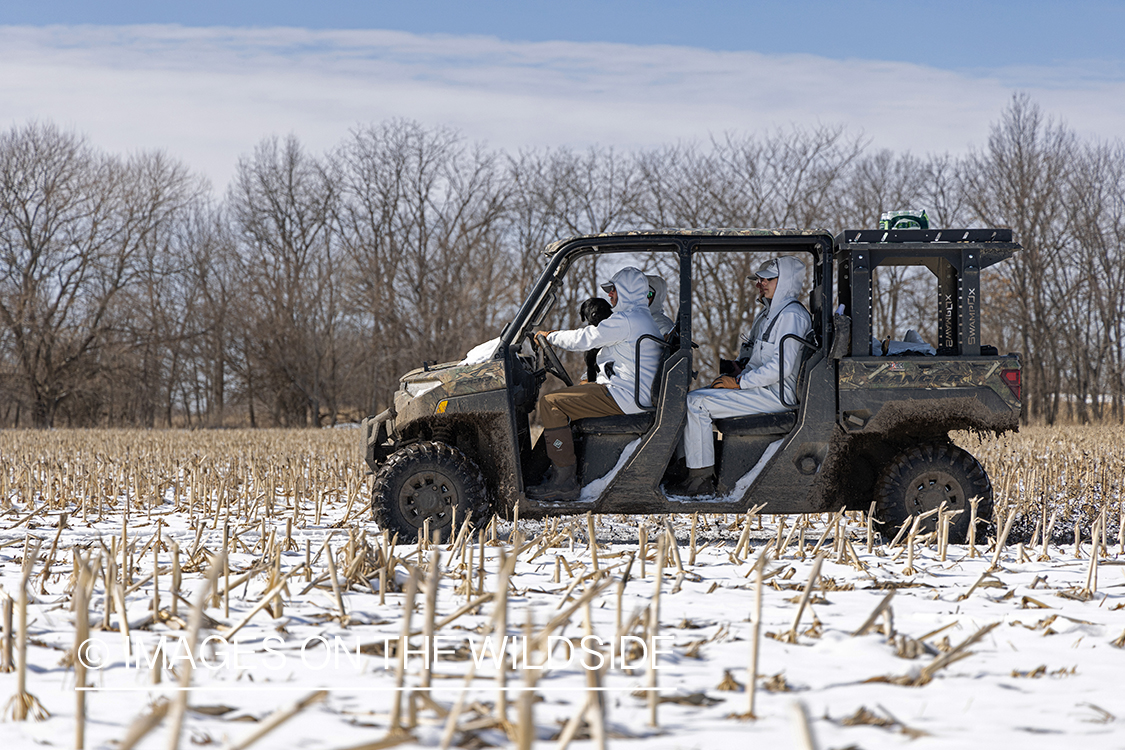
(617, 336)
(659, 289)
(784, 314)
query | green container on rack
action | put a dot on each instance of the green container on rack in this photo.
(913, 218)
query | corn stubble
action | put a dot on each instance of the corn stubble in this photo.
(262, 492)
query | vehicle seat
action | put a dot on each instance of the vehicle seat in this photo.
(627, 424)
(776, 423)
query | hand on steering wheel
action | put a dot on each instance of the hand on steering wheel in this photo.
(548, 358)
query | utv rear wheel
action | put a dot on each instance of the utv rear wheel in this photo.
(428, 480)
(924, 476)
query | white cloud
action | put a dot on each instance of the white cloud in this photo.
(208, 95)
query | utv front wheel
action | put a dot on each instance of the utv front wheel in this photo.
(924, 476)
(428, 480)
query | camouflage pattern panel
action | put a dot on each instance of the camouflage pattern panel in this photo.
(929, 373)
(457, 380)
(440, 383)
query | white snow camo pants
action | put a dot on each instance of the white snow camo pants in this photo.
(707, 404)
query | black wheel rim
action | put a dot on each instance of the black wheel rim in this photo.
(427, 494)
(930, 489)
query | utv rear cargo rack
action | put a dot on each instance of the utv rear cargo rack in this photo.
(955, 256)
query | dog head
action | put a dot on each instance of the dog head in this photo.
(594, 311)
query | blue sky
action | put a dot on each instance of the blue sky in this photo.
(958, 34)
(206, 80)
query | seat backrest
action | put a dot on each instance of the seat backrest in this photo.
(809, 346)
(662, 364)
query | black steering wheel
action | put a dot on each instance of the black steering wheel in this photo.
(548, 359)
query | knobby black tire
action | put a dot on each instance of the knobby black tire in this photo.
(908, 487)
(463, 480)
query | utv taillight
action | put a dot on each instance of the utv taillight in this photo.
(1012, 378)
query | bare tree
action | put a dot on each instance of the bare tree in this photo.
(72, 224)
(1020, 181)
(1097, 206)
(421, 222)
(282, 204)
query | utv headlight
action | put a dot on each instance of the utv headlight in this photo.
(417, 387)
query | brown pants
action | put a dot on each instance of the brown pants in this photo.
(576, 402)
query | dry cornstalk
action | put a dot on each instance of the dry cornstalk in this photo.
(871, 528)
(653, 629)
(179, 705)
(1092, 571)
(1003, 539)
(265, 600)
(525, 724)
(620, 597)
(802, 729)
(81, 634)
(673, 545)
(642, 544)
(777, 539)
(756, 637)
(909, 569)
(226, 568)
(144, 724)
(1121, 532)
(595, 702)
(814, 576)
(824, 537)
(788, 538)
(593, 540)
(874, 616)
(958, 652)
(335, 582)
(51, 557)
(430, 613)
(7, 663)
(403, 647)
(1043, 555)
(279, 717)
(24, 703)
(507, 565)
(694, 521)
(539, 641)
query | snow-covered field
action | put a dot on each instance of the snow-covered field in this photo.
(1047, 673)
(1041, 664)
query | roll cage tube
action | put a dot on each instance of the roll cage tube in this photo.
(637, 369)
(560, 263)
(817, 244)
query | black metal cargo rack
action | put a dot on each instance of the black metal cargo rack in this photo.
(955, 256)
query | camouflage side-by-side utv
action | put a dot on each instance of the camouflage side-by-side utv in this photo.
(865, 427)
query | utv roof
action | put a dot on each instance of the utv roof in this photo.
(997, 241)
(554, 247)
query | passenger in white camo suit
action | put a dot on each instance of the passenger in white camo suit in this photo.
(756, 389)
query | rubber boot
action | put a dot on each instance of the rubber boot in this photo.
(562, 482)
(698, 482)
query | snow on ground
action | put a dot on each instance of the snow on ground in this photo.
(1047, 673)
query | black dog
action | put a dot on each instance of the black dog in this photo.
(592, 312)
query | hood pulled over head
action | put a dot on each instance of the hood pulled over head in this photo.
(790, 279)
(659, 289)
(632, 288)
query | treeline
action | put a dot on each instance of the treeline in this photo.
(130, 294)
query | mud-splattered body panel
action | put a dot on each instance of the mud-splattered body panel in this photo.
(862, 373)
(976, 396)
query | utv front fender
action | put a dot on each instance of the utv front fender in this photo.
(378, 443)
